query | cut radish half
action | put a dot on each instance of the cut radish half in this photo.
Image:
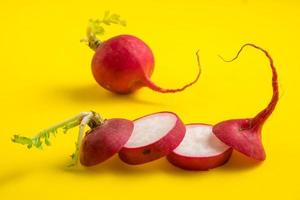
(153, 136)
(200, 149)
(105, 140)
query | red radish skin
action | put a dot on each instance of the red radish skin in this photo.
(244, 135)
(104, 141)
(125, 63)
(200, 149)
(167, 131)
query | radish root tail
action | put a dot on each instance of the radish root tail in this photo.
(154, 87)
(263, 115)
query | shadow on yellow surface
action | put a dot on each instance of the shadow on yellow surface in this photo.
(239, 161)
(116, 166)
(93, 93)
(12, 176)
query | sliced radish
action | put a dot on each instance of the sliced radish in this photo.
(153, 136)
(200, 149)
(105, 140)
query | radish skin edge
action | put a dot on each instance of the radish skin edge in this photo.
(200, 149)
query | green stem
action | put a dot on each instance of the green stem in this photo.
(91, 39)
(67, 124)
(92, 119)
(86, 119)
(95, 28)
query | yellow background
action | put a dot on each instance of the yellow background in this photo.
(46, 77)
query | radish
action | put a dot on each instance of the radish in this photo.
(244, 135)
(153, 137)
(124, 63)
(200, 149)
(103, 140)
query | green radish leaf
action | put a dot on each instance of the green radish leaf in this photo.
(47, 142)
(95, 28)
(22, 140)
(43, 137)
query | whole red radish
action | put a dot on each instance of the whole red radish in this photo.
(244, 135)
(124, 63)
(104, 139)
(200, 149)
(153, 137)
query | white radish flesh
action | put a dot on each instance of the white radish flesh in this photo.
(200, 149)
(153, 137)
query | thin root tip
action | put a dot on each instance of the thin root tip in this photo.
(238, 53)
(225, 60)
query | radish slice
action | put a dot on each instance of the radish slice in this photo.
(153, 137)
(200, 149)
